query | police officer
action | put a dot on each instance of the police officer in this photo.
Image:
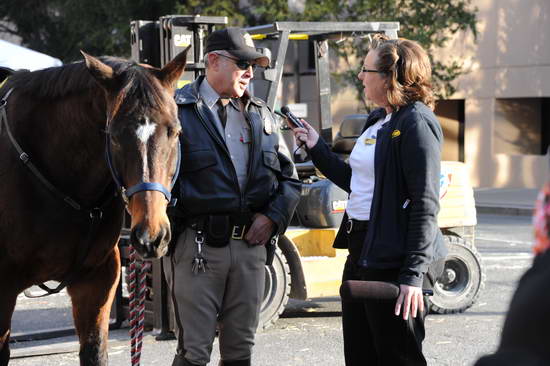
(237, 191)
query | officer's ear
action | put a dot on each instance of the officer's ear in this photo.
(213, 60)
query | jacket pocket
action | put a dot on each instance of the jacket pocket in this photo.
(271, 160)
(197, 160)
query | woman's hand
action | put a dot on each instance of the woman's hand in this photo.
(410, 300)
(306, 135)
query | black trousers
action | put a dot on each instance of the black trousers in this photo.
(373, 335)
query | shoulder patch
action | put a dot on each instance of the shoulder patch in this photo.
(182, 96)
(257, 101)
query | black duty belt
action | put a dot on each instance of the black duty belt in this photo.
(353, 225)
(237, 224)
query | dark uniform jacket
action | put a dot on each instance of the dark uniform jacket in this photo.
(403, 231)
(208, 183)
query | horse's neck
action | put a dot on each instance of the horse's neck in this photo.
(67, 139)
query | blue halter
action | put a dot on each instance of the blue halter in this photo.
(127, 193)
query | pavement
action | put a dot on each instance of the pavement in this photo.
(505, 201)
(29, 315)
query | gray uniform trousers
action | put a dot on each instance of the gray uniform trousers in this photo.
(229, 294)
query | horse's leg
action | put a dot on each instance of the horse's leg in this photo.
(7, 305)
(92, 300)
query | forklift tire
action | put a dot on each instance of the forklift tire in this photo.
(462, 280)
(276, 292)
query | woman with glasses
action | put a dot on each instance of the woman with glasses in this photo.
(390, 227)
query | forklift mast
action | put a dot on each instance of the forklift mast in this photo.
(276, 37)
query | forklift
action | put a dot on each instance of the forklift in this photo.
(305, 265)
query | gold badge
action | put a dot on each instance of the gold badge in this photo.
(395, 133)
(268, 126)
(370, 141)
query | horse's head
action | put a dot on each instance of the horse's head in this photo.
(142, 146)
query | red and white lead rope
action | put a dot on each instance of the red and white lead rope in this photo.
(137, 289)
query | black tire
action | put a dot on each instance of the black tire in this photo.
(463, 278)
(277, 290)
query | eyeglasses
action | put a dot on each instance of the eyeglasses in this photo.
(372, 70)
(241, 64)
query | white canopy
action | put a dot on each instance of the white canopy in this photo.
(16, 57)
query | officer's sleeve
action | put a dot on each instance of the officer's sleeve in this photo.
(285, 200)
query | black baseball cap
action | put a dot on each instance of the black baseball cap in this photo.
(238, 43)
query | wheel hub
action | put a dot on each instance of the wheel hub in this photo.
(450, 276)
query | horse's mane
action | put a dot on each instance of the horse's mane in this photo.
(61, 81)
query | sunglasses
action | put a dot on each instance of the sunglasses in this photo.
(241, 64)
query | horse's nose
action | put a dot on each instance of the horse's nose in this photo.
(149, 246)
(141, 240)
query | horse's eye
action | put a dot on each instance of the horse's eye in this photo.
(173, 132)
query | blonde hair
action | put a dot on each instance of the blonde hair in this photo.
(407, 67)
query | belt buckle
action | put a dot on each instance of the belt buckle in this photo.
(238, 232)
(349, 226)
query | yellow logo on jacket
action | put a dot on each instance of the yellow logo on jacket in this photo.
(395, 133)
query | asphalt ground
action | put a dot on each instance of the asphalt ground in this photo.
(309, 332)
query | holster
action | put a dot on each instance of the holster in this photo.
(270, 248)
(217, 230)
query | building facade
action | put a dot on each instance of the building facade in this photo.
(498, 122)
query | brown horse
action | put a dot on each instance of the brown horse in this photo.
(60, 208)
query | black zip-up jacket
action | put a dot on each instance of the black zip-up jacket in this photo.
(403, 231)
(208, 183)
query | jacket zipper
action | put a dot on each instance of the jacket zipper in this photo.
(369, 245)
(234, 173)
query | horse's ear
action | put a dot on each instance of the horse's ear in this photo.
(172, 71)
(103, 73)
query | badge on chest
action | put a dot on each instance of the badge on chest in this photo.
(268, 124)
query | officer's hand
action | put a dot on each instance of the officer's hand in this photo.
(260, 231)
(306, 135)
(410, 299)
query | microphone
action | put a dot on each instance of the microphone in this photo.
(288, 114)
(357, 291)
